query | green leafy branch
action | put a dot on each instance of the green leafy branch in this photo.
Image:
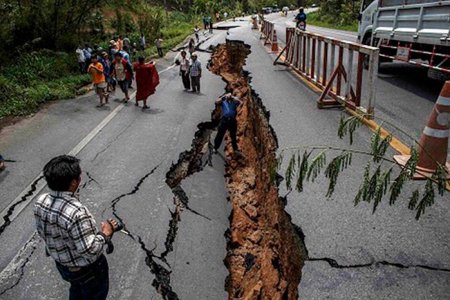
(307, 163)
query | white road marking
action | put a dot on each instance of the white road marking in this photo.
(17, 262)
(77, 149)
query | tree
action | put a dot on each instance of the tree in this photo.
(55, 23)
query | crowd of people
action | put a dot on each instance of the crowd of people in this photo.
(73, 240)
(114, 67)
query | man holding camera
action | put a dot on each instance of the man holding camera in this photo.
(229, 105)
(70, 233)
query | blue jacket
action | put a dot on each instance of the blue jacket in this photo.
(229, 108)
(301, 17)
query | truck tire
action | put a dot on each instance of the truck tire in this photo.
(437, 75)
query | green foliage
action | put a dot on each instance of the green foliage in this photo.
(317, 165)
(347, 126)
(36, 78)
(375, 185)
(337, 165)
(379, 145)
(331, 21)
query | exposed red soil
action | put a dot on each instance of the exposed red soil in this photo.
(264, 251)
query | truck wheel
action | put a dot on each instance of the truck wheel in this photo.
(437, 75)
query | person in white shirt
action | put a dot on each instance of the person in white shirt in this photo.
(81, 59)
(184, 71)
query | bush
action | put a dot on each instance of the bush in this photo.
(37, 78)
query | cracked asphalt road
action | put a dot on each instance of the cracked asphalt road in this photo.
(134, 143)
(122, 154)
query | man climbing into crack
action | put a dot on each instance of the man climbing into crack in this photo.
(69, 231)
(229, 104)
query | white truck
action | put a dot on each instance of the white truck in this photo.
(413, 31)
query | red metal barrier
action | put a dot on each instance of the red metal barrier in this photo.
(267, 29)
(328, 63)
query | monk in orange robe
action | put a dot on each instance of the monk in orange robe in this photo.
(147, 79)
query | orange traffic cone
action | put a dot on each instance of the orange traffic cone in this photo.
(433, 143)
(274, 41)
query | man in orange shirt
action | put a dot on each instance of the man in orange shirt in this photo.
(98, 79)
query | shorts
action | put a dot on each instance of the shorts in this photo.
(123, 85)
(100, 87)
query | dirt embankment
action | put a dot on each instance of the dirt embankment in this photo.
(264, 250)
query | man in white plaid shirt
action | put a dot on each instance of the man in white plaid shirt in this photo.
(70, 233)
(196, 73)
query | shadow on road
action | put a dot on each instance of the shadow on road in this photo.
(411, 78)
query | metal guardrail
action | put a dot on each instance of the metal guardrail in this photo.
(329, 64)
(267, 32)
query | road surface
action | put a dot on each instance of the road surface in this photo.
(133, 151)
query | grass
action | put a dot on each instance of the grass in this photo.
(174, 33)
(316, 20)
(37, 78)
(45, 76)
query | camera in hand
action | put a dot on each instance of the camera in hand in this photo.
(109, 244)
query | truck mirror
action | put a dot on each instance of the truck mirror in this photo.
(359, 17)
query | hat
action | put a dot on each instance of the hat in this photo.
(111, 42)
(194, 54)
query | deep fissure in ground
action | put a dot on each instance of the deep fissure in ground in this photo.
(265, 252)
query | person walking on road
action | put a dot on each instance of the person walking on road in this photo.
(195, 71)
(229, 105)
(210, 23)
(191, 47)
(147, 79)
(106, 63)
(122, 71)
(184, 71)
(70, 233)
(196, 33)
(205, 22)
(98, 79)
(158, 43)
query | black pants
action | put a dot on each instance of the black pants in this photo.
(195, 81)
(230, 125)
(89, 283)
(160, 52)
(186, 80)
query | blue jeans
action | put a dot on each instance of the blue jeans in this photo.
(89, 283)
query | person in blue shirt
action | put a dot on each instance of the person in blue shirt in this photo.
(87, 52)
(229, 104)
(301, 17)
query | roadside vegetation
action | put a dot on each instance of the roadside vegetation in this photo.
(39, 39)
(336, 14)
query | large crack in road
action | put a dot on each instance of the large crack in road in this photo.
(265, 251)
